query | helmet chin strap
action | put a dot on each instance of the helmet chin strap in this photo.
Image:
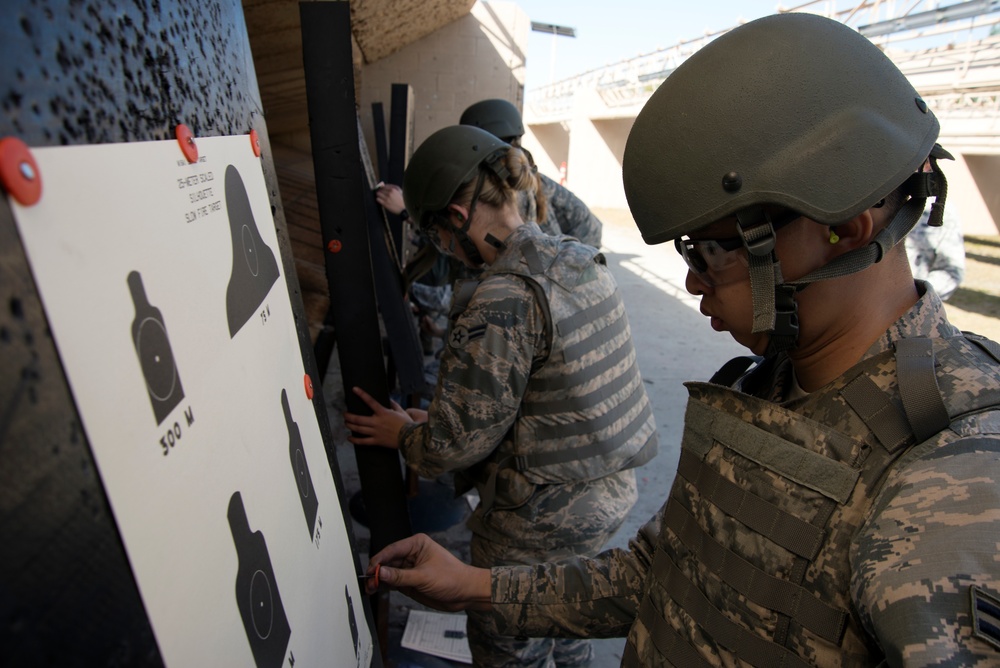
(774, 307)
(462, 233)
(494, 163)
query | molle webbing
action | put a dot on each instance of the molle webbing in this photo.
(605, 307)
(750, 647)
(668, 642)
(595, 449)
(531, 257)
(790, 532)
(822, 474)
(991, 348)
(918, 387)
(768, 591)
(592, 425)
(877, 411)
(594, 341)
(584, 375)
(580, 403)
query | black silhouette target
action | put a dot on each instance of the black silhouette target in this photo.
(300, 467)
(261, 604)
(152, 346)
(257, 595)
(254, 267)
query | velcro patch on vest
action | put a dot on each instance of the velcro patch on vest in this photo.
(460, 335)
(985, 616)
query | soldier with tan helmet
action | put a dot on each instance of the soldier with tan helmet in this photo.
(539, 403)
(838, 503)
(553, 206)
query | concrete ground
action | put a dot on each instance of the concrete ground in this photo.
(674, 343)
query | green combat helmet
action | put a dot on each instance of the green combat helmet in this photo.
(443, 163)
(793, 110)
(498, 117)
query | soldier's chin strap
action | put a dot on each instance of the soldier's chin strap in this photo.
(494, 163)
(774, 306)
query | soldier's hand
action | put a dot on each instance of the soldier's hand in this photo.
(390, 198)
(381, 427)
(430, 574)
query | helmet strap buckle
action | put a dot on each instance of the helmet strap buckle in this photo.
(755, 230)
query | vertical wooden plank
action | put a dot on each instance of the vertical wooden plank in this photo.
(400, 145)
(381, 145)
(341, 192)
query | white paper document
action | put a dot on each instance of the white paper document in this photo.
(437, 633)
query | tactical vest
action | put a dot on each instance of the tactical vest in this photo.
(585, 413)
(752, 559)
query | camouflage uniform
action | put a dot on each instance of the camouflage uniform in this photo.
(937, 254)
(565, 213)
(540, 405)
(848, 526)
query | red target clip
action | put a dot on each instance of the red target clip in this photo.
(308, 383)
(19, 173)
(255, 142)
(186, 140)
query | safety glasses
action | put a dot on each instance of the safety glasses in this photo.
(718, 261)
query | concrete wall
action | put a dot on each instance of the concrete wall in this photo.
(591, 143)
(590, 137)
(972, 185)
(481, 55)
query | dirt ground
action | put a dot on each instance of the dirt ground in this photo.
(975, 306)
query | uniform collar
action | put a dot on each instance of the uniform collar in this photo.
(926, 318)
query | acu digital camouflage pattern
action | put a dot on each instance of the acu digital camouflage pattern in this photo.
(496, 343)
(937, 254)
(565, 213)
(797, 535)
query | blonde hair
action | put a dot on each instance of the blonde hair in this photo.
(500, 192)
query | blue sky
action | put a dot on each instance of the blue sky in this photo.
(607, 32)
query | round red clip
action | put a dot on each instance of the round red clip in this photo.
(334, 246)
(186, 140)
(255, 142)
(308, 382)
(19, 173)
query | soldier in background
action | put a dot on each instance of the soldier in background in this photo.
(838, 504)
(539, 402)
(554, 207)
(937, 254)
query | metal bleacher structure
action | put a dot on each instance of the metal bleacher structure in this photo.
(950, 51)
(959, 76)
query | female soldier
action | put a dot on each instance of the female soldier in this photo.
(539, 401)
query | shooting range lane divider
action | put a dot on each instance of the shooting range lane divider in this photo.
(340, 194)
(186, 140)
(19, 172)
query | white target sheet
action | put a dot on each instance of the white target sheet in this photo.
(163, 286)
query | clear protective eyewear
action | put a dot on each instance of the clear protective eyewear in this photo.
(719, 261)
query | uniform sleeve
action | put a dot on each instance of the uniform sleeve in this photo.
(571, 214)
(485, 364)
(578, 598)
(948, 265)
(933, 535)
(937, 254)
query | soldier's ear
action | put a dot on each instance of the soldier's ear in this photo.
(843, 237)
(458, 214)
